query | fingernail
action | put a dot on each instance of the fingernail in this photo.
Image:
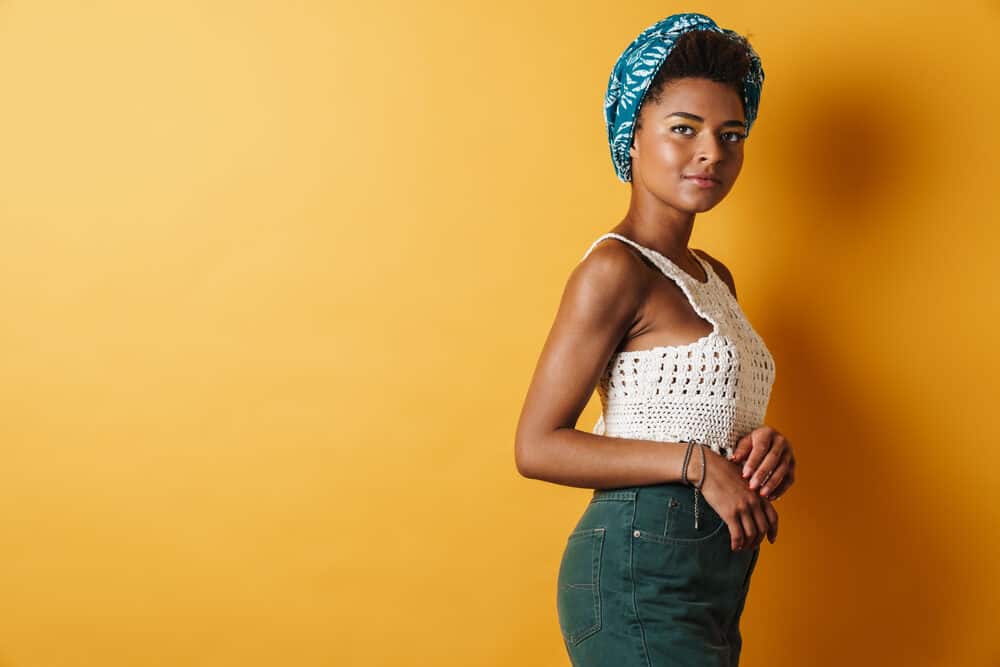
(746, 470)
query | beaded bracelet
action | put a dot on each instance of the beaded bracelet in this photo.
(684, 477)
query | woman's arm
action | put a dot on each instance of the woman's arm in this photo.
(575, 458)
(600, 303)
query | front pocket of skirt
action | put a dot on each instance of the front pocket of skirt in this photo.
(579, 585)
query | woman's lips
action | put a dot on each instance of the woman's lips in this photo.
(702, 182)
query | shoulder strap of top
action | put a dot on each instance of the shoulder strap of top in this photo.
(644, 250)
(659, 261)
(703, 263)
(665, 264)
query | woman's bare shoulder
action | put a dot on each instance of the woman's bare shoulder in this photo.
(612, 271)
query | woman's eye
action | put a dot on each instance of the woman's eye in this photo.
(729, 137)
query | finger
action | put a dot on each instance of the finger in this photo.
(743, 448)
(772, 459)
(761, 446)
(763, 525)
(764, 470)
(780, 491)
(772, 520)
(772, 481)
(770, 478)
(750, 531)
(760, 522)
(736, 535)
(789, 477)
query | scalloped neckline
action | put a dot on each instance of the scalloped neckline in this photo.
(663, 348)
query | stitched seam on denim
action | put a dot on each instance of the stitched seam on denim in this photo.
(596, 537)
(746, 587)
(586, 532)
(589, 534)
(653, 537)
(669, 515)
(635, 603)
(598, 562)
(602, 496)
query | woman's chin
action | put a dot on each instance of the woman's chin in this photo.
(700, 205)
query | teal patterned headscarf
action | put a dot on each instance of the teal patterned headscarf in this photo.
(638, 65)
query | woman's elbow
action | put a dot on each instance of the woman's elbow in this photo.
(525, 457)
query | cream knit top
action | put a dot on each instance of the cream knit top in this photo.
(714, 390)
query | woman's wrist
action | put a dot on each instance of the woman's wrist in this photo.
(693, 474)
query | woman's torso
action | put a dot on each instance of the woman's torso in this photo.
(713, 390)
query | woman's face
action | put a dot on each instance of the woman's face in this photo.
(698, 126)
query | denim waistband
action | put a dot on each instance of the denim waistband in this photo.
(679, 494)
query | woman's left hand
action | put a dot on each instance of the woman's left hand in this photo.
(768, 461)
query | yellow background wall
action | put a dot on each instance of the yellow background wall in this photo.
(274, 278)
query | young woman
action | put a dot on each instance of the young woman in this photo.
(656, 572)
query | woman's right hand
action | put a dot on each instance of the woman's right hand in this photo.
(749, 515)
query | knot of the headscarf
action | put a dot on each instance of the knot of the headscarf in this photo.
(638, 65)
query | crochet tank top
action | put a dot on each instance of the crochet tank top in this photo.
(713, 390)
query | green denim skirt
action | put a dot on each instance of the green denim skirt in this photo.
(640, 586)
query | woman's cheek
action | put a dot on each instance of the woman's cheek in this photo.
(670, 152)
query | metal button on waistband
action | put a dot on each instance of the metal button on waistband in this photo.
(635, 534)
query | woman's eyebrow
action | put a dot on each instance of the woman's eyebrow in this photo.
(685, 114)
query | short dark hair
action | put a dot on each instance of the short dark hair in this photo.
(704, 54)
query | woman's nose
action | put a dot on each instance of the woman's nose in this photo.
(710, 148)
